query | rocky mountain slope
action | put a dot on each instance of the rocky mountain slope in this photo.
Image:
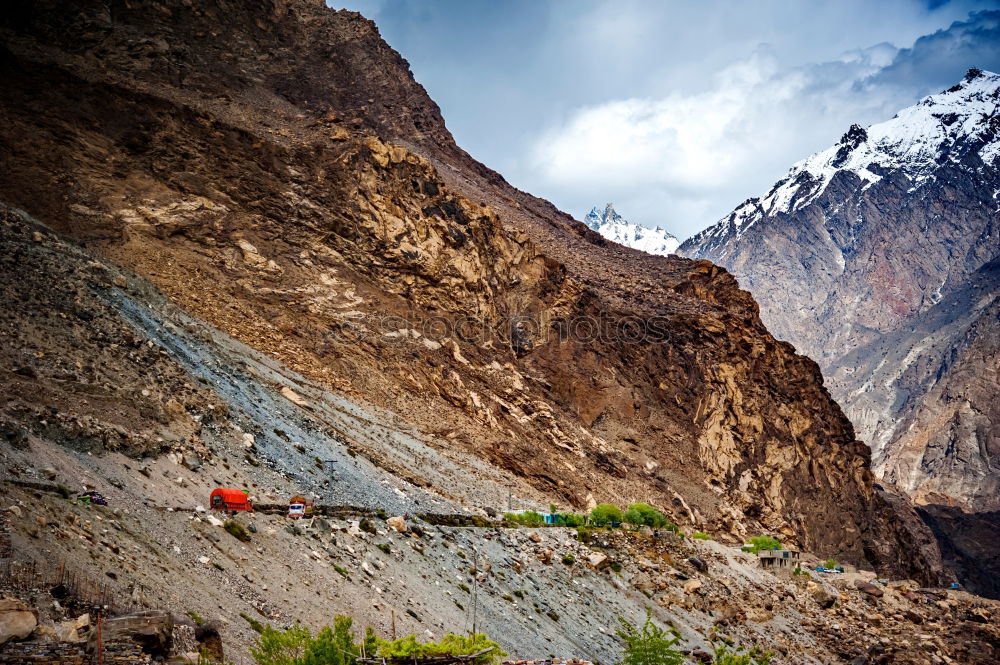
(247, 246)
(877, 257)
(617, 229)
(109, 385)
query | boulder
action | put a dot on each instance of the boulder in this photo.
(692, 586)
(150, 629)
(398, 523)
(869, 589)
(824, 598)
(17, 620)
(699, 563)
(598, 560)
(535, 537)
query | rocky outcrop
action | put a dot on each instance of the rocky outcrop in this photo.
(877, 257)
(279, 174)
(17, 620)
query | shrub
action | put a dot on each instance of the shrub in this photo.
(830, 564)
(758, 543)
(701, 535)
(605, 514)
(255, 625)
(528, 518)
(381, 514)
(280, 647)
(341, 570)
(724, 655)
(569, 559)
(195, 617)
(366, 526)
(643, 514)
(385, 548)
(236, 530)
(650, 645)
(450, 645)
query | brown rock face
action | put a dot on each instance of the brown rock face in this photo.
(277, 172)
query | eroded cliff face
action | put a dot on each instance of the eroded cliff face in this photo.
(878, 258)
(275, 171)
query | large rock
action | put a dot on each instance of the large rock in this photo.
(17, 620)
(151, 629)
(824, 598)
(869, 588)
(398, 523)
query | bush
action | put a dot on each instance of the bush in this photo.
(528, 518)
(255, 625)
(724, 655)
(569, 559)
(643, 514)
(385, 547)
(366, 526)
(650, 645)
(759, 543)
(605, 514)
(281, 647)
(195, 617)
(450, 645)
(701, 535)
(236, 530)
(830, 564)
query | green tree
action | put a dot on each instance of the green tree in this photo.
(650, 645)
(281, 647)
(605, 514)
(758, 543)
(643, 514)
(332, 646)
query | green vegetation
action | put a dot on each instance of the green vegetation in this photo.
(605, 514)
(552, 614)
(195, 617)
(460, 554)
(385, 548)
(830, 564)
(724, 654)
(366, 526)
(236, 530)
(616, 566)
(528, 518)
(569, 559)
(341, 570)
(336, 645)
(255, 625)
(643, 514)
(381, 514)
(759, 543)
(649, 645)
(701, 535)
(509, 598)
(519, 593)
(450, 645)
(464, 587)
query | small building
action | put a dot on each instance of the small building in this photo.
(230, 500)
(779, 558)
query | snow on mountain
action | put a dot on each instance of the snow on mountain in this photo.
(947, 126)
(614, 227)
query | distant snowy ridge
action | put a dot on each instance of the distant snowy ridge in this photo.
(614, 227)
(948, 126)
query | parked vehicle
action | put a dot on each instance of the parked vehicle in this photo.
(230, 500)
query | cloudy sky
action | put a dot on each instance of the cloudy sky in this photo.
(675, 111)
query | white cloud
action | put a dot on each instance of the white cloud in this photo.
(706, 146)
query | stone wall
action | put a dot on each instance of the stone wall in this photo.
(70, 653)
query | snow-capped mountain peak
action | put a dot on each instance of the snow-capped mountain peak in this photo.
(616, 228)
(943, 127)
